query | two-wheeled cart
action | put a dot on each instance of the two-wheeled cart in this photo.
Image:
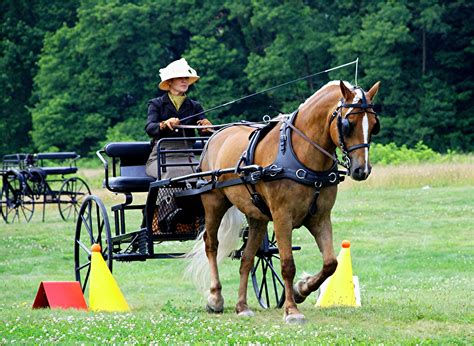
(172, 212)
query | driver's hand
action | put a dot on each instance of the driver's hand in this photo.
(205, 122)
(171, 123)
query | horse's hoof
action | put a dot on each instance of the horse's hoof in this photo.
(246, 313)
(213, 310)
(294, 319)
(299, 298)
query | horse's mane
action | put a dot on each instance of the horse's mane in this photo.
(323, 88)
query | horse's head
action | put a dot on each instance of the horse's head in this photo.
(356, 122)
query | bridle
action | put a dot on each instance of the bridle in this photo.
(344, 126)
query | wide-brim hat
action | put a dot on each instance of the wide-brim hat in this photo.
(177, 69)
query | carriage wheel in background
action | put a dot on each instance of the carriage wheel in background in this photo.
(2, 201)
(92, 227)
(267, 284)
(17, 200)
(70, 197)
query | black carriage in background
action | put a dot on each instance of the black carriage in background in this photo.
(43, 178)
(172, 212)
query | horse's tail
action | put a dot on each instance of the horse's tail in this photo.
(228, 236)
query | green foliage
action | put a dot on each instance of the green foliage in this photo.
(391, 154)
(394, 155)
(129, 130)
(23, 24)
(108, 57)
(73, 71)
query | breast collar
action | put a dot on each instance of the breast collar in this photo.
(286, 164)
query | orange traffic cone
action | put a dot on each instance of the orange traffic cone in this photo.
(104, 293)
(341, 289)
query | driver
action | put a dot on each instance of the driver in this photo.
(165, 113)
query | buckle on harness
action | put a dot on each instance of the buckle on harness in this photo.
(255, 177)
(332, 180)
(273, 170)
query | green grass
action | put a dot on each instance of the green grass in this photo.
(411, 246)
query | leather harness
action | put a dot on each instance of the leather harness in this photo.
(285, 166)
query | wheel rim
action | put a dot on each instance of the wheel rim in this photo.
(3, 204)
(268, 286)
(71, 195)
(18, 203)
(92, 227)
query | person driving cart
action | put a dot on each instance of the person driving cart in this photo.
(170, 110)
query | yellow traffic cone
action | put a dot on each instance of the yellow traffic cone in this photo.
(104, 293)
(341, 289)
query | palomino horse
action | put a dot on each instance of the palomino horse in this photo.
(337, 115)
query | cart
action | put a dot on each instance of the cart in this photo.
(172, 212)
(43, 178)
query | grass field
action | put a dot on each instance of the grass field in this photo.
(411, 230)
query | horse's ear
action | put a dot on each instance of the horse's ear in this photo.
(346, 93)
(373, 91)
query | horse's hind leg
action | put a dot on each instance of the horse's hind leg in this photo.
(322, 232)
(215, 206)
(256, 233)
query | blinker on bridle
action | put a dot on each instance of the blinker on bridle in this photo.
(344, 126)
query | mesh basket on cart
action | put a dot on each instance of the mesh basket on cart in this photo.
(177, 212)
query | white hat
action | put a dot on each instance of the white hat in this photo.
(176, 69)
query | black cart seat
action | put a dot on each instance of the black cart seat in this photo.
(68, 157)
(59, 170)
(128, 170)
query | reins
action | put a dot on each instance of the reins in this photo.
(356, 62)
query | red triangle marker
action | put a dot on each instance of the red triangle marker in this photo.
(61, 295)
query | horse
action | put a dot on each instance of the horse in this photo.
(337, 115)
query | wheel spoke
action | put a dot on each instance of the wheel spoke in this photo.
(275, 287)
(88, 227)
(264, 281)
(66, 211)
(81, 244)
(83, 266)
(86, 279)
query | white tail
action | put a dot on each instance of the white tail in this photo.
(228, 236)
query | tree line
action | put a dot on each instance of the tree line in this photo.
(76, 74)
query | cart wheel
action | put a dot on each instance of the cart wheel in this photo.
(17, 199)
(71, 194)
(92, 227)
(3, 203)
(267, 284)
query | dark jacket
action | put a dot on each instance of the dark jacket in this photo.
(161, 109)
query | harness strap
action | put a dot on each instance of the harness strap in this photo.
(317, 146)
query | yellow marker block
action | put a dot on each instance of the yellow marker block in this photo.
(339, 289)
(104, 293)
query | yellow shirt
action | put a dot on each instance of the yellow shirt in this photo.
(177, 100)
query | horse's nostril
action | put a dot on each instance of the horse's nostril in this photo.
(359, 173)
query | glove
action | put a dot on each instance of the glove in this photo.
(205, 122)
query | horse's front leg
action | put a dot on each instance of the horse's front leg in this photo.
(256, 233)
(321, 229)
(283, 232)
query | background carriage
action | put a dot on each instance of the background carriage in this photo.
(43, 178)
(173, 212)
